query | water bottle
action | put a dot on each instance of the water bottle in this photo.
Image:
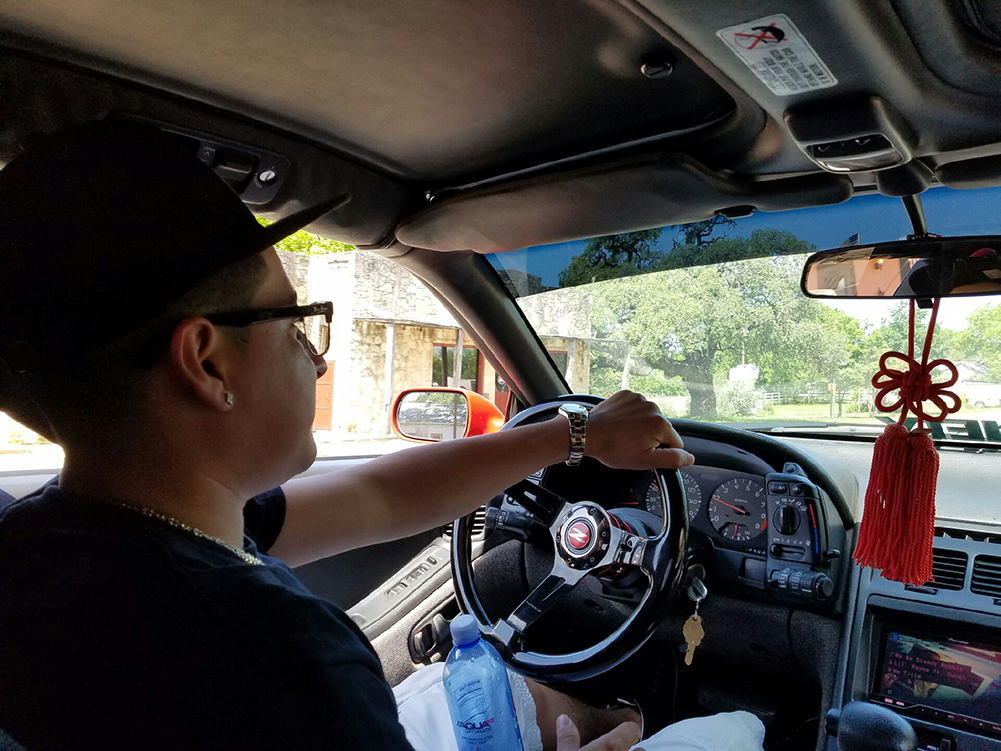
(479, 695)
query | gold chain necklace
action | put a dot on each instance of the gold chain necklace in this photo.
(248, 557)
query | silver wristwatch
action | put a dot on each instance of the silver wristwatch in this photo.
(577, 417)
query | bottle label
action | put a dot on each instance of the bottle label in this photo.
(475, 723)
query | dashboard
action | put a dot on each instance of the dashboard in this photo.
(931, 653)
(726, 505)
(793, 647)
(773, 535)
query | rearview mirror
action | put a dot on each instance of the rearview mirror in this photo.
(444, 414)
(912, 269)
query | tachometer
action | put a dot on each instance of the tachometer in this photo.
(693, 494)
(737, 509)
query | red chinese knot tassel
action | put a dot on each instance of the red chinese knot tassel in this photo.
(899, 522)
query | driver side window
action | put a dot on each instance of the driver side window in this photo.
(388, 333)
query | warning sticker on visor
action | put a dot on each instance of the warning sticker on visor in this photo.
(779, 55)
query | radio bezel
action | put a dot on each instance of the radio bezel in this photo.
(933, 629)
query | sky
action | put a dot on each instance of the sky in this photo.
(876, 218)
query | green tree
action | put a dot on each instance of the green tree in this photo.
(306, 243)
(613, 256)
(895, 328)
(694, 323)
(677, 322)
(981, 340)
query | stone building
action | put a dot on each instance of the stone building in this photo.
(389, 331)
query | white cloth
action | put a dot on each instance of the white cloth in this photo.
(729, 731)
(423, 710)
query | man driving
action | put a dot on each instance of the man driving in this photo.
(148, 328)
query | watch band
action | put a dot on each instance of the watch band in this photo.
(577, 419)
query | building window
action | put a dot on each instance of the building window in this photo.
(560, 359)
(443, 367)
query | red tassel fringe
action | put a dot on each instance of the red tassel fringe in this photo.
(898, 527)
(899, 523)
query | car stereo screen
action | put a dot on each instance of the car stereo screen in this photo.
(951, 679)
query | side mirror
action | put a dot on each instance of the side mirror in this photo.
(443, 414)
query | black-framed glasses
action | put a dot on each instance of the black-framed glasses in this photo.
(312, 322)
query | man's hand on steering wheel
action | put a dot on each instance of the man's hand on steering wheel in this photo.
(623, 432)
(628, 431)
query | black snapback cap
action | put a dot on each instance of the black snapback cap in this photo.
(105, 224)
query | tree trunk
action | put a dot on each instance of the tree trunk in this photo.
(697, 377)
(703, 395)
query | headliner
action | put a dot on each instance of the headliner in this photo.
(423, 112)
(431, 91)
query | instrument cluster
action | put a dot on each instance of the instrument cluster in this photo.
(730, 507)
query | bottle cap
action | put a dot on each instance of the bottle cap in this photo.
(464, 630)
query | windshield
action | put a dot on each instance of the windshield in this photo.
(708, 319)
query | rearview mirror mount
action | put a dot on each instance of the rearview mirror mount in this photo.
(919, 269)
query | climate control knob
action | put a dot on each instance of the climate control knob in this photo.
(786, 519)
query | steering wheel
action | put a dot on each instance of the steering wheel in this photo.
(586, 539)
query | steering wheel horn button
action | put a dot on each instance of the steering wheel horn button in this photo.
(579, 536)
(582, 537)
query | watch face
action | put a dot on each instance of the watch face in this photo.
(575, 409)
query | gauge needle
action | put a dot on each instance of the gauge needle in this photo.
(738, 509)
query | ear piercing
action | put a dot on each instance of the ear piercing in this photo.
(229, 398)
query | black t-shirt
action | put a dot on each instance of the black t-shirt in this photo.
(121, 631)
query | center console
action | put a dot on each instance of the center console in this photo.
(930, 654)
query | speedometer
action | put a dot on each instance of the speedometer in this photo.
(693, 494)
(737, 509)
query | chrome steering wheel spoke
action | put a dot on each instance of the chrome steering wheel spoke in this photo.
(561, 580)
(630, 549)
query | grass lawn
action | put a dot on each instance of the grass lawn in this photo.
(808, 412)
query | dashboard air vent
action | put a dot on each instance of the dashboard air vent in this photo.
(986, 575)
(479, 521)
(966, 534)
(948, 569)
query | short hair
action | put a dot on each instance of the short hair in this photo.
(107, 389)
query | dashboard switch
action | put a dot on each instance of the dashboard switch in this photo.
(817, 585)
(787, 519)
(778, 488)
(811, 585)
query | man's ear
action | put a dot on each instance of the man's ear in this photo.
(201, 357)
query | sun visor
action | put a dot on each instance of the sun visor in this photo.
(983, 172)
(649, 191)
